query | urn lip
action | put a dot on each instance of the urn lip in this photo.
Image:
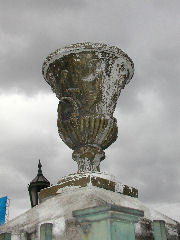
(83, 47)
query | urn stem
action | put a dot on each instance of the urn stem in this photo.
(88, 158)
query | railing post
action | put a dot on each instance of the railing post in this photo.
(159, 230)
(46, 231)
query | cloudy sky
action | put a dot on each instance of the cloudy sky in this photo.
(147, 153)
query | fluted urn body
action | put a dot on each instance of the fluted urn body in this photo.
(87, 79)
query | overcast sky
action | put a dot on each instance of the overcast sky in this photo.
(146, 154)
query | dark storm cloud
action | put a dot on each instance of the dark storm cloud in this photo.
(146, 154)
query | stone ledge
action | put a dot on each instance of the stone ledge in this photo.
(100, 180)
(106, 208)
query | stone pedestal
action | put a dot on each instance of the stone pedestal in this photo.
(108, 222)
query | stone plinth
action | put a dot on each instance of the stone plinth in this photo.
(108, 222)
(100, 180)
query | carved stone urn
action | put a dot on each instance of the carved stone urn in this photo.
(87, 79)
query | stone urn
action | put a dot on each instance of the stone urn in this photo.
(87, 79)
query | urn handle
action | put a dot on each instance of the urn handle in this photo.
(67, 108)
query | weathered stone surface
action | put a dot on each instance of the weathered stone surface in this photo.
(87, 78)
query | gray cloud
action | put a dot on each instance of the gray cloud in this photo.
(146, 154)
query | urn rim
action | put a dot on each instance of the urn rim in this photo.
(83, 47)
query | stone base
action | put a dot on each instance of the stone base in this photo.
(58, 209)
(98, 179)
